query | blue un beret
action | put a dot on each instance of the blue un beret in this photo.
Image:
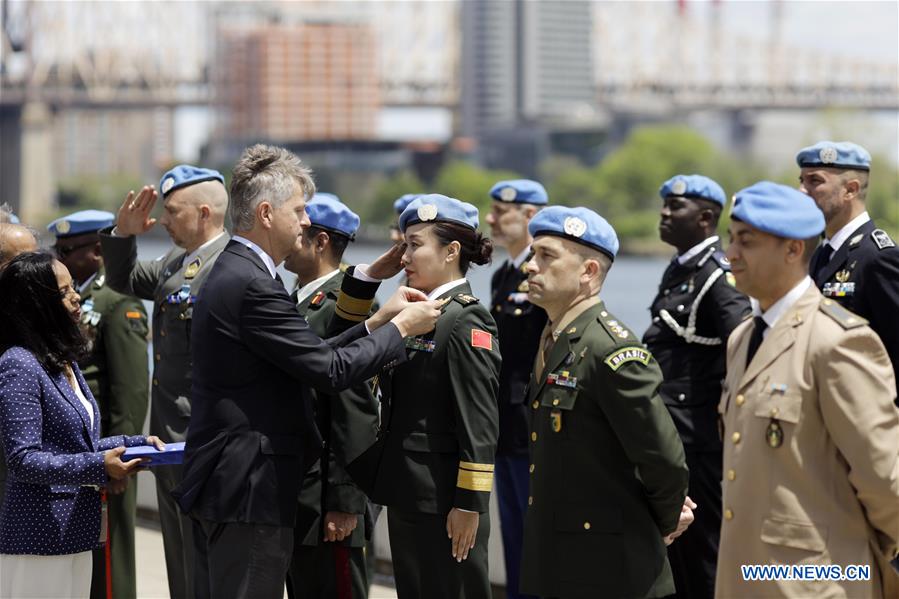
(81, 222)
(404, 201)
(520, 191)
(326, 211)
(184, 175)
(837, 154)
(693, 186)
(577, 224)
(779, 210)
(434, 207)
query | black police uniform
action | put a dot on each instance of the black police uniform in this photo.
(694, 312)
(348, 422)
(863, 276)
(520, 324)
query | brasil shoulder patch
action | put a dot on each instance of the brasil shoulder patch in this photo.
(628, 354)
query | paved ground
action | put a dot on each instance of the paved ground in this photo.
(151, 577)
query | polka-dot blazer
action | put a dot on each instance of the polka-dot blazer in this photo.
(54, 458)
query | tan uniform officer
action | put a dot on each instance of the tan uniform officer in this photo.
(811, 435)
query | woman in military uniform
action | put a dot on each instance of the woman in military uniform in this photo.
(433, 463)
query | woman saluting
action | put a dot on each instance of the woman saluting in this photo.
(433, 463)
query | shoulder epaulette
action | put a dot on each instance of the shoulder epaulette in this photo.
(721, 260)
(882, 239)
(845, 318)
(465, 299)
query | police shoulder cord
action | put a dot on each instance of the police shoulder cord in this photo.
(689, 332)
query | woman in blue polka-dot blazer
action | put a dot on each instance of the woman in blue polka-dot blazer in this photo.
(52, 514)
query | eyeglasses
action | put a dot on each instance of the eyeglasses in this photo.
(64, 250)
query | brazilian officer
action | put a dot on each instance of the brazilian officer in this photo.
(693, 313)
(433, 463)
(332, 519)
(858, 264)
(608, 477)
(116, 370)
(811, 435)
(195, 202)
(519, 323)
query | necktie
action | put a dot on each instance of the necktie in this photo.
(822, 258)
(755, 340)
(546, 343)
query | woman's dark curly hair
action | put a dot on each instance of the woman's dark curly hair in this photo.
(476, 248)
(32, 314)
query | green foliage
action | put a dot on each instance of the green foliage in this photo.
(98, 192)
(883, 196)
(469, 183)
(380, 210)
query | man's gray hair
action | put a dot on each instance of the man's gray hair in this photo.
(265, 173)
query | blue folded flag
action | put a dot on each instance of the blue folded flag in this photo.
(172, 454)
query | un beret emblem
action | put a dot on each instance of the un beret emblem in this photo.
(508, 194)
(427, 212)
(575, 226)
(828, 155)
(168, 184)
(63, 227)
(678, 188)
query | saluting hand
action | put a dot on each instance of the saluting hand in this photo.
(686, 518)
(339, 525)
(388, 264)
(462, 528)
(134, 214)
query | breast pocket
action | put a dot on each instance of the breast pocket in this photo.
(560, 402)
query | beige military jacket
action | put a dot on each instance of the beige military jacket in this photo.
(811, 454)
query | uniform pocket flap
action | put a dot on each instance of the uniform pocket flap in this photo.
(431, 443)
(559, 397)
(280, 444)
(794, 534)
(782, 406)
(587, 519)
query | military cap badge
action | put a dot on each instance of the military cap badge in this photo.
(508, 194)
(828, 155)
(574, 226)
(427, 212)
(63, 227)
(679, 188)
(167, 185)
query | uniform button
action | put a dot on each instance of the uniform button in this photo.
(728, 514)
(158, 357)
(535, 405)
(681, 397)
(162, 309)
(740, 400)
(532, 468)
(517, 312)
(533, 436)
(731, 475)
(555, 402)
(735, 438)
(156, 382)
(680, 307)
(655, 319)
(603, 313)
(774, 412)
(162, 333)
(586, 526)
(530, 501)
(498, 308)
(666, 292)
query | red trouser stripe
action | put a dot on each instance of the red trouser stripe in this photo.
(342, 572)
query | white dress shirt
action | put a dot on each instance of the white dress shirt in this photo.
(781, 306)
(307, 289)
(848, 229)
(266, 259)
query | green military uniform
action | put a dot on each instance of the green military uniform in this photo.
(349, 423)
(608, 477)
(116, 371)
(173, 287)
(435, 449)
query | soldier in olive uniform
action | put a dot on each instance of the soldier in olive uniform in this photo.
(432, 465)
(117, 373)
(811, 435)
(195, 202)
(333, 520)
(693, 314)
(519, 323)
(608, 478)
(858, 264)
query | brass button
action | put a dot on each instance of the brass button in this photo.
(728, 515)
(774, 412)
(555, 402)
(586, 526)
(156, 382)
(162, 333)
(162, 309)
(731, 475)
(498, 308)
(533, 436)
(158, 357)
(532, 468)
(530, 501)
(740, 400)
(735, 438)
(535, 405)
(517, 312)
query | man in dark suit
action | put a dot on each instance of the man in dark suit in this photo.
(693, 313)
(519, 323)
(333, 522)
(251, 430)
(858, 264)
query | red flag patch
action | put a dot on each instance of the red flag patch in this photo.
(481, 339)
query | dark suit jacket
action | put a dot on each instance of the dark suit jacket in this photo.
(250, 425)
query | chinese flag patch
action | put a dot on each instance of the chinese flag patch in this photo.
(481, 339)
